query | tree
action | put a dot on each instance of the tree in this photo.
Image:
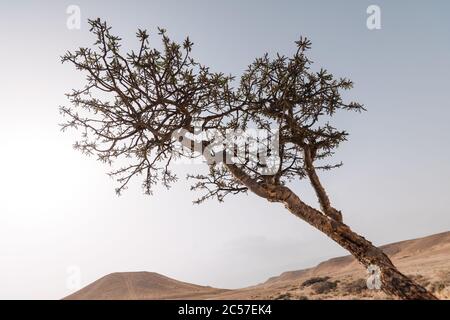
(140, 106)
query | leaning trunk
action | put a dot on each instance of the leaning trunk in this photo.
(393, 282)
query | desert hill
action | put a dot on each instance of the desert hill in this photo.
(425, 259)
(141, 285)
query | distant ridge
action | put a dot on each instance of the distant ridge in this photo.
(426, 259)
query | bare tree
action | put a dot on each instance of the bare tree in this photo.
(135, 103)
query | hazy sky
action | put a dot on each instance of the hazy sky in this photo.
(58, 209)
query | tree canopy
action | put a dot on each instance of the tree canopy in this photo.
(134, 103)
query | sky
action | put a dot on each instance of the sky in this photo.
(61, 224)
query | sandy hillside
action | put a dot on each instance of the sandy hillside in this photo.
(426, 259)
(141, 285)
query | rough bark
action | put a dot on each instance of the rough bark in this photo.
(393, 281)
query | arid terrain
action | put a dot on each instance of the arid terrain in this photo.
(425, 259)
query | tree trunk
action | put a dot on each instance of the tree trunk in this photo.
(393, 282)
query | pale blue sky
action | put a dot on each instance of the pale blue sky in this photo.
(58, 208)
